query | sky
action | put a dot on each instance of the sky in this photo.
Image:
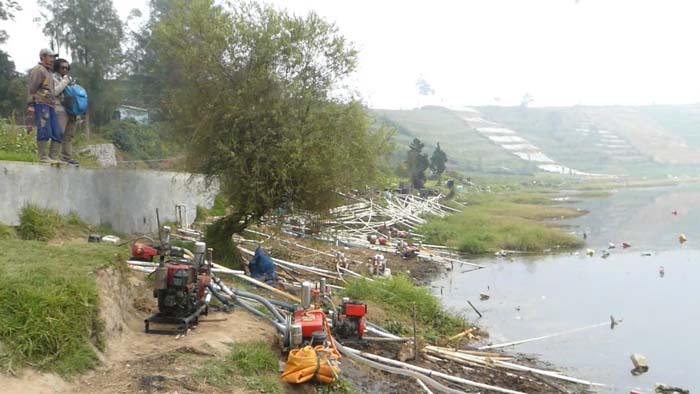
(492, 52)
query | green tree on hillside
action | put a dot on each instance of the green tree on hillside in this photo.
(260, 106)
(7, 9)
(92, 32)
(437, 161)
(417, 162)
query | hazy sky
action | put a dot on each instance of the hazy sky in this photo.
(475, 52)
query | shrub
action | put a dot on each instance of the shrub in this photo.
(37, 223)
(15, 144)
(7, 232)
(398, 294)
(141, 141)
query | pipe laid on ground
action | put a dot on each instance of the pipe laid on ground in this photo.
(357, 356)
(371, 327)
(429, 372)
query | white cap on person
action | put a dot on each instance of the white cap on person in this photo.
(47, 52)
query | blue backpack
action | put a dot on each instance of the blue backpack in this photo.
(75, 99)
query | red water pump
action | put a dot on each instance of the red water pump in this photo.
(349, 321)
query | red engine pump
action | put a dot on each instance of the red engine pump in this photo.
(349, 321)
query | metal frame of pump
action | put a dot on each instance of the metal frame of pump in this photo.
(181, 283)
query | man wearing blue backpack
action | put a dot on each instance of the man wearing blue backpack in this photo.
(65, 108)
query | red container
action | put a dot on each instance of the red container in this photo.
(311, 321)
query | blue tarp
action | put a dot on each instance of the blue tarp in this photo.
(261, 266)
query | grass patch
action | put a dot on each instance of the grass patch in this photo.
(18, 156)
(49, 314)
(497, 225)
(396, 296)
(253, 363)
(43, 224)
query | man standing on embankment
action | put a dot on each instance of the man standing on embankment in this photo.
(42, 100)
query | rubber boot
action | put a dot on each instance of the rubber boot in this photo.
(67, 150)
(41, 150)
(54, 150)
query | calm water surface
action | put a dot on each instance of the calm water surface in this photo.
(534, 296)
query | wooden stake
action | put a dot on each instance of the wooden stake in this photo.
(415, 336)
(477, 312)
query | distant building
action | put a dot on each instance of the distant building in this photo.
(140, 115)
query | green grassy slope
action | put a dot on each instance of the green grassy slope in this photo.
(466, 149)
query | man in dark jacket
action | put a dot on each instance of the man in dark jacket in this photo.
(41, 102)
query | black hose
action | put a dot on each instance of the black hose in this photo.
(278, 326)
(283, 305)
(263, 301)
(217, 295)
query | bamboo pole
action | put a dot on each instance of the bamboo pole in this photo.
(456, 356)
(423, 386)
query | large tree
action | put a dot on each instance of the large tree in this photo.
(147, 81)
(437, 161)
(417, 162)
(258, 96)
(92, 32)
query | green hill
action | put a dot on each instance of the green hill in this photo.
(466, 149)
(652, 141)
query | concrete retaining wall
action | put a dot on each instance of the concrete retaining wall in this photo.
(124, 199)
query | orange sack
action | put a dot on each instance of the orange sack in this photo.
(307, 363)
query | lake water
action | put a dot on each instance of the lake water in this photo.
(535, 296)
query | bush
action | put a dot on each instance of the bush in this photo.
(7, 232)
(15, 144)
(37, 223)
(398, 294)
(43, 224)
(140, 141)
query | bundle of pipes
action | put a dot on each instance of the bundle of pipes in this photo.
(471, 359)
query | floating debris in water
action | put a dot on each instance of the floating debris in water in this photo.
(626, 245)
(590, 252)
(646, 254)
(682, 239)
(640, 364)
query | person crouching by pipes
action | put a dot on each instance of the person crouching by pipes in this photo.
(41, 104)
(262, 268)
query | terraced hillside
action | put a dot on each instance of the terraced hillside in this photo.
(653, 141)
(466, 149)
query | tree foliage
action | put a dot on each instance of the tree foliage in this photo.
(259, 101)
(13, 94)
(417, 162)
(92, 32)
(148, 80)
(437, 161)
(7, 12)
